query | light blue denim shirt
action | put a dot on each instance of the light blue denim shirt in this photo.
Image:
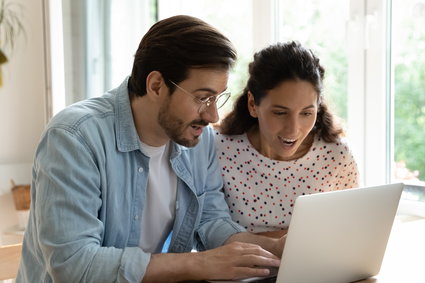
(88, 194)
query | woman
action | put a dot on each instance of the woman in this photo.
(280, 141)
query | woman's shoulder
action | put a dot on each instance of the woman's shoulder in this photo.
(340, 142)
(222, 138)
(339, 147)
(226, 143)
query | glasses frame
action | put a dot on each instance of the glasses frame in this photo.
(206, 101)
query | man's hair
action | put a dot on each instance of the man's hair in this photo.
(272, 66)
(175, 45)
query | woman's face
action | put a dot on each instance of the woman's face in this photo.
(286, 115)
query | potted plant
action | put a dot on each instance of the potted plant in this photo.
(22, 199)
(10, 27)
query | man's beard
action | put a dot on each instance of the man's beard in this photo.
(175, 127)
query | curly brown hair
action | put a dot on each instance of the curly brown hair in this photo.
(271, 66)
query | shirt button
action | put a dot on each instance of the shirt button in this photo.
(140, 169)
(136, 217)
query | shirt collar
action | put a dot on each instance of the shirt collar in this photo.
(127, 138)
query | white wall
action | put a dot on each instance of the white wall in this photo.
(22, 108)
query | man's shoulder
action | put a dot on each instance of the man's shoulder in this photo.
(77, 114)
(98, 109)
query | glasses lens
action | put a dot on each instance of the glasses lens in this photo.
(222, 99)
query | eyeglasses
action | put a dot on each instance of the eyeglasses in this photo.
(218, 100)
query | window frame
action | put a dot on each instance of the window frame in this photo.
(370, 122)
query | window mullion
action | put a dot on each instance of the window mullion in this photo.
(264, 23)
(368, 110)
(356, 122)
(377, 132)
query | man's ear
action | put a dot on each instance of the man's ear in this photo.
(154, 82)
(251, 105)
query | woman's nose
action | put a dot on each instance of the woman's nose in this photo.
(291, 126)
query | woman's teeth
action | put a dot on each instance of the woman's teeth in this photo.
(288, 141)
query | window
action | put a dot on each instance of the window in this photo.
(408, 47)
(371, 50)
(237, 26)
(98, 39)
(328, 17)
(350, 39)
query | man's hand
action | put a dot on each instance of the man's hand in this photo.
(235, 260)
(272, 244)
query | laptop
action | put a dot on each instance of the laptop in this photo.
(337, 236)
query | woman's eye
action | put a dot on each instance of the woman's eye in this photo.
(279, 113)
(306, 113)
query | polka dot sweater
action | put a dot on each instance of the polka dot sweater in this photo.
(261, 192)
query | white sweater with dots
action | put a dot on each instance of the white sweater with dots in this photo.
(261, 192)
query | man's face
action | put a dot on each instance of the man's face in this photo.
(179, 114)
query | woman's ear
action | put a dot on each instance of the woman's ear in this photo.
(251, 105)
(154, 82)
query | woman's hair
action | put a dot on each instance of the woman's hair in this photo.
(173, 46)
(272, 66)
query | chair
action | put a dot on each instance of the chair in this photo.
(10, 257)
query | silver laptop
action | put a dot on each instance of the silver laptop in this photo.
(338, 236)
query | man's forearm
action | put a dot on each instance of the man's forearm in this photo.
(274, 234)
(170, 267)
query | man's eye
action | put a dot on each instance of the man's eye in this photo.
(207, 99)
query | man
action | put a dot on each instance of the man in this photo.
(114, 176)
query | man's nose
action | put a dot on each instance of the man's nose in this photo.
(210, 114)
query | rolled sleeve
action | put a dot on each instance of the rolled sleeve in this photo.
(133, 265)
(214, 234)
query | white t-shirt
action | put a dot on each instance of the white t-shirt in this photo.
(159, 210)
(261, 192)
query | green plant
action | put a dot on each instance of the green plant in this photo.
(10, 27)
(10, 23)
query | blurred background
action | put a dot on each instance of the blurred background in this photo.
(373, 52)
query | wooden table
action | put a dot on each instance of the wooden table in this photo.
(10, 257)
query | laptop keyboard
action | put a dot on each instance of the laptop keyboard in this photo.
(267, 280)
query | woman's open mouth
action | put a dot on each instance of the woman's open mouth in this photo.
(287, 142)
